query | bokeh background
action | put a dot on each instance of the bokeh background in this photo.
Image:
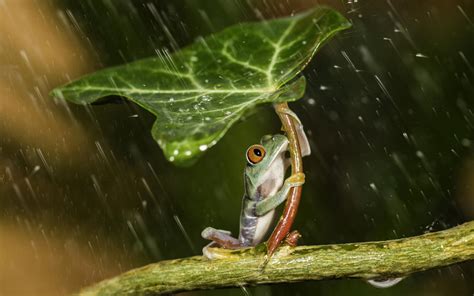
(85, 192)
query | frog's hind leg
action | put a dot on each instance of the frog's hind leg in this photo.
(219, 238)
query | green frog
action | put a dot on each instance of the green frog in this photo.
(265, 189)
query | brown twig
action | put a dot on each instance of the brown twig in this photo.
(291, 207)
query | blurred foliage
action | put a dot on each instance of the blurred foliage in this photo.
(388, 112)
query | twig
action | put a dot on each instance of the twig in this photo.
(291, 206)
(242, 267)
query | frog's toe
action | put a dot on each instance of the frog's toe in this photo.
(207, 232)
(296, 179)
(206, 252)
(210, 232)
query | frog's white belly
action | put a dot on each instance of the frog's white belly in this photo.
(263, 225)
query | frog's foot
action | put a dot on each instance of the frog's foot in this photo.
(220, 238)
(295, 180)
(206, 251)
(302, 139)
(292, 238)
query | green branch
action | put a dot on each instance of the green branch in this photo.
(355, 260)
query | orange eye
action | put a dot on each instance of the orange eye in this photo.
(255, 154)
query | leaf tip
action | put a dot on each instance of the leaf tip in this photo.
(57, 93)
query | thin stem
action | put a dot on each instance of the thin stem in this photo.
(291, 206)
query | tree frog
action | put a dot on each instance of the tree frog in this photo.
(265, 189)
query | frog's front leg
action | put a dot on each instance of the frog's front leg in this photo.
(219, 238)
(271, 202)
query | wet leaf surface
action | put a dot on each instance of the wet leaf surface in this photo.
(198, 92)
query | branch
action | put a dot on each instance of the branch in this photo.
(243, 267)
(294, 196)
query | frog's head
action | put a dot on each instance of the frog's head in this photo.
(265, 160)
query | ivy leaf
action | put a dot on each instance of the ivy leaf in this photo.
(198, 92)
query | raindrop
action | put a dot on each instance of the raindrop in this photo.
(405, 135)
(420, 55)
(455, 153)
(35, 170)
(374, 187)
(203, 147)
(181, 227)
(464, 14)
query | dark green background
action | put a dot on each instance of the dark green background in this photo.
(388, 112)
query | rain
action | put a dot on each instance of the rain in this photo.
(86, 193)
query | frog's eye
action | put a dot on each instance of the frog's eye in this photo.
(255, 154)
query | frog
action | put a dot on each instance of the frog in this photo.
(265, 188)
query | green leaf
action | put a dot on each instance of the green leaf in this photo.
(198, 92)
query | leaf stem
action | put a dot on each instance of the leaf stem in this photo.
(291, 206)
